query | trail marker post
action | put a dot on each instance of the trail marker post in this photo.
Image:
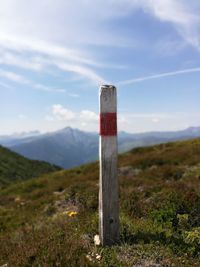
(108, 190)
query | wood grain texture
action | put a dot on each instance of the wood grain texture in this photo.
(108, 191)
(108, 99)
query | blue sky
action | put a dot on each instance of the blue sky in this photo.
(54, 55)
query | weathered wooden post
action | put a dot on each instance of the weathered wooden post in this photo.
(108, 191)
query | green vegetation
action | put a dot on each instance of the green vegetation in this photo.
(52, 220)
(14, 167)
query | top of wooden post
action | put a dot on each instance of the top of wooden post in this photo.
(108, 96)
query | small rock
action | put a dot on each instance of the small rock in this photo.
(17, 200)
(58, 193)
(89, 257)
(97, 241)
(128, 171)
(153, 167)
(98, 257)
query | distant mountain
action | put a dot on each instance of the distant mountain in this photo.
(190, 132)
(18, 138)
(71, 147)
(14, 167)
(67, 148)
(128, 141)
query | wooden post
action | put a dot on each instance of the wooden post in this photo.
(108, 191)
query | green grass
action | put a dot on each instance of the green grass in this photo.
(159, 213)
(14, 167)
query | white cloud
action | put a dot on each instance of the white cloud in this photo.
(145, 122)
(64, 36)
(83, 71)
(13, 77)
(155, 120)
(17, 78)
(169, 47)
(47, 88)
(88, 116)
(130, 122)
(63, 117)
(123, 119)
(150, 116)
(35, 37)
(62, 113)
(83, 22)
(74, 95)
(19, 43)
(12, 59)
(45, 55)
(45, 42)
(183, 15)
(5, 86)
(70, 24)
(157, 76)
(49, 118)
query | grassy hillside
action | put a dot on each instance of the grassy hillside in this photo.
(14, 167)
(51, 221)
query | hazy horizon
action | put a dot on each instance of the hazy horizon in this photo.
(35, 132)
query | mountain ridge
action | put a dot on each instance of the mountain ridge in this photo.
(70, 147)
(15, 168)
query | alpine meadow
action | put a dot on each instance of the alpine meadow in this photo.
(52, 220)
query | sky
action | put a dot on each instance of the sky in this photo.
(54, 55)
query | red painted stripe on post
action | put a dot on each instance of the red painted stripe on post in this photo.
(108, 124)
